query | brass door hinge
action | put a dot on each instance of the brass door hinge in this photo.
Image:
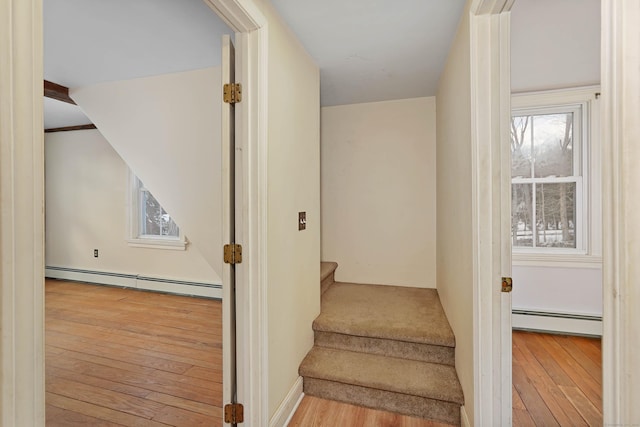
(232, 93)
(507, 284)
(233, 254)
(233, 413)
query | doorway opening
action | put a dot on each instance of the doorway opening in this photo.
(168, 112)
(556, 213)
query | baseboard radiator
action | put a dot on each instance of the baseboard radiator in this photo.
(562, 323)
(181, 287)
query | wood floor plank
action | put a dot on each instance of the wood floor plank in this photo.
(180, 417)
(561, 408)
(588, 364)
(190, 405)
(556, 367)
(137, 406)
(589, 347)
(64, 342)
(316, 412)
(110, 361)
(99, 412)
(546, 359)
(588, 411)
(121, 345)
(577, 373)
(56, 417)
(536, 406)
(53, 374)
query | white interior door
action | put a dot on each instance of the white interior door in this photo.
(229, 376)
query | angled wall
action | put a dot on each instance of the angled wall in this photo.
(167, 130)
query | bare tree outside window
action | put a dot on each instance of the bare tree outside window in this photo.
(154, 220)
(545, 180)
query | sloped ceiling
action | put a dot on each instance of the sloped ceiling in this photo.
(93, 41)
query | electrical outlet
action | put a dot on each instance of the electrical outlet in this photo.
(95, 253)
(302, 220)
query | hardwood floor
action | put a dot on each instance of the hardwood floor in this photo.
(557, 380)
(121, 357)
(316, 412)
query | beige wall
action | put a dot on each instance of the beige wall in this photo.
(167, 129)
(293, 185)
(86, 209)
(454, 204)
(378, 172)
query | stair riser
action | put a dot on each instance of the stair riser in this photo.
(385, 347)
(326, 283)
(415, 406)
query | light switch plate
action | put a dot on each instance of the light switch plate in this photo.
(302, 220)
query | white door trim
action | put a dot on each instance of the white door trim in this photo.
(251, 184)
(491, 115)
(620, 61)
(22, 209)
(21, 214)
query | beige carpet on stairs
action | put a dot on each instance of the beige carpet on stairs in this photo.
(384, 347)
(400, 313)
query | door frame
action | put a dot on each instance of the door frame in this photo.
(22, 399)
(620, 60)
(490, 67)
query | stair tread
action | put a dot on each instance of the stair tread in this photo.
(326, 268)
(388, 312)
(410, 377)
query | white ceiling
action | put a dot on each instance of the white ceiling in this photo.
(374, 50)
(367, 50)
(92, 41)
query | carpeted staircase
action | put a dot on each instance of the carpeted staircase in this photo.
(383, 347)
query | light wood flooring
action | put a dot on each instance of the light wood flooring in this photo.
(557, 380)
(316, 412)
(121, 357)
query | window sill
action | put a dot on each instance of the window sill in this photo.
(174, 245)
(557, 260)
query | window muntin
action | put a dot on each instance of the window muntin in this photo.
(150, 226)
(547, 179)
(154, 221)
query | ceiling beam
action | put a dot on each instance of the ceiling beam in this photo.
(68, 128)
(56, 91)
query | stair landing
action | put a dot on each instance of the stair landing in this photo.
(412, 315)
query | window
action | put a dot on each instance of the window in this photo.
(151, 225)
(550, 173)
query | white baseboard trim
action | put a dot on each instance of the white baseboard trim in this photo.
(563, 323)
(180, 287)
(287, 408)
(464, 418)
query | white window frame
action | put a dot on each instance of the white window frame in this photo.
(588, 251)
(134, 216)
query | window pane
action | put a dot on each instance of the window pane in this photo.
(521, 215)
(521, 146)
(553, 145)
(556, 215)
(155, 220)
